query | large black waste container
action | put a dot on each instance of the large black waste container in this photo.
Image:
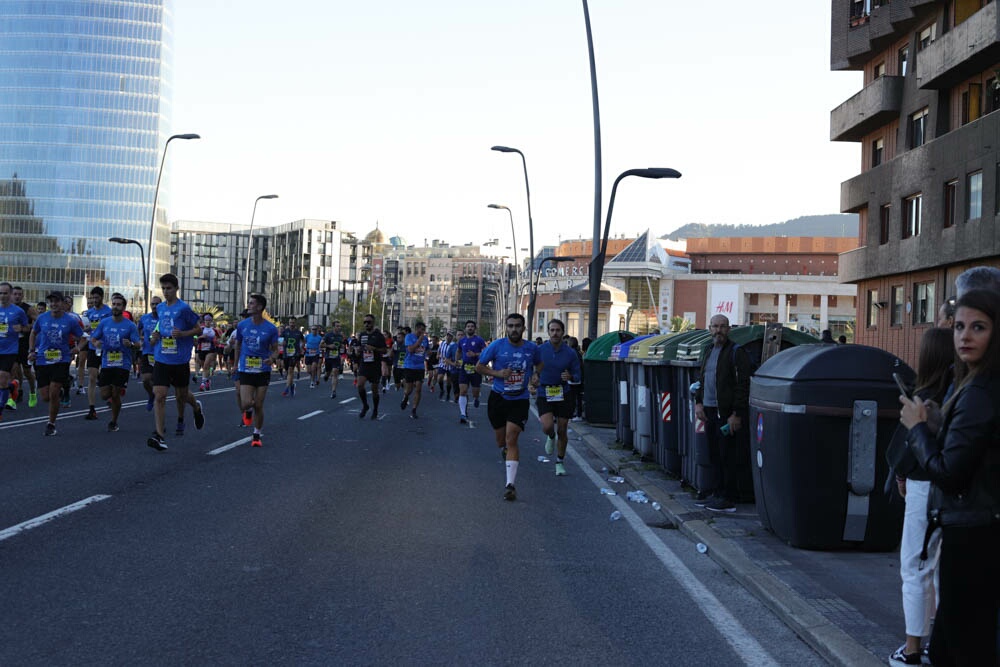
(624, 413)
(822, 417)
(600, 393)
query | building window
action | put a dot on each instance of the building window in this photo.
(918, 128)
(972, 103)
(926, 37)
(880, 69)
(992, 94)
(904, 56)
(883, 226)
(924, 309)
(896, 314)
(974, 209)
(912, 212)
(950, 203)
(872, 307)
(878, 147)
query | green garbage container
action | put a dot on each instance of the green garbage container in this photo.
(641, 408)
(600, 393)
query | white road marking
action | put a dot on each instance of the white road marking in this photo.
(311, 414)
(45, 518)
(226, 448)
(352, 398)
(745, 646)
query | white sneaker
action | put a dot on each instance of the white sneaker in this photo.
(550, 446)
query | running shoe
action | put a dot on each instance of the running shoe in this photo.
(112, 427)
(50, 429)
(180, 429)
(199, 416)
(463, 420)
(65, 402)
(248, 417)
(91, 414)
(11, 405)
(413, 413)
(721, 505)
(550, 445)
(149, 403)
(576, 419)
(208, 384)
(374, 414)
(509, 493)
(475, 403)
(32, 400)
(201, 387)
(406, 399)
(157, 442)
(285, 393)
(312, 385)
(364, 411)
(560, 470)
(900, 657)
(333, 394)
(255, 440)
(79, 391)
(15, 389)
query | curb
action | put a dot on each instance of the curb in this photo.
(828, 640)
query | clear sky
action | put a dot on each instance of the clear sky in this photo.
(385, 111)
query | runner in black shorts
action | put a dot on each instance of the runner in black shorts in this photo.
(331, 347)
(368, 355)
(561, 365)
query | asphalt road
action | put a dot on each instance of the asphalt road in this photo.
(344, 541)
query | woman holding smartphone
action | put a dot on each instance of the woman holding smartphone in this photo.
(963, 463)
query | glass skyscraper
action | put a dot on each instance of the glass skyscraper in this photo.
(85, 90)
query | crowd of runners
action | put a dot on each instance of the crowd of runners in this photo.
(173, 347)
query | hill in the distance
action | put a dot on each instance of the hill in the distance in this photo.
(836, 224)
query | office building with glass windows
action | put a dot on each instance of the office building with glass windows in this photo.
(85, 91)
(928, 192)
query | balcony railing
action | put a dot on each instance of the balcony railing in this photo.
(874, 105)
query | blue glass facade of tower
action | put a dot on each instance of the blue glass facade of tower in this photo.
(85, 89)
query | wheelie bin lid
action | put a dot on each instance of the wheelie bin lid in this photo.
(825, 363)
(600, 348)
(642, 351)
(686, 348)
(620, 351)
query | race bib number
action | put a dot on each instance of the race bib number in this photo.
(53, 355)
(115, 359)
(254, 364)
(470, 368)
(554, 393)
(151, 359)
(311, 352)
(514, 382)
(3, 328)
(168, 345)
(368, 357)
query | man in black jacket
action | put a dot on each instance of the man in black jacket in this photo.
(723, 402)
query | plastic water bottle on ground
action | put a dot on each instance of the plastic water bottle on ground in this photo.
(616, 480)
(616, 515)
(702, 548)
(656, 506)
(608, 492)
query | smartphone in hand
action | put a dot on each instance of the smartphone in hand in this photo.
(906, 391)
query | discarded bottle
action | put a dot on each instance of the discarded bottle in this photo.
(637, 497)
(608, 492)
(702, 548)
(616, 480)
(543, 459)
(656, 506)
(604, 469)
(616, 515)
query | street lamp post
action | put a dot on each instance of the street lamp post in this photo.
(246, 276)
(534, 286)
(156, 194)
(596, 270)
(513, 237)
(531, 225)
(592, 325)
(142, 259)
(236, 297)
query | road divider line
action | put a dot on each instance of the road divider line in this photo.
(352, 398)
(226, 448)
(311, 414)
(45, 518)
(745, 646)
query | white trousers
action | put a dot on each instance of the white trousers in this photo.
(919, 577)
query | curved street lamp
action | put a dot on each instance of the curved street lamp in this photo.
(531, 225)
(513, 237)
(596, 270)
(142, 258)
(156, 195)
(246, 276)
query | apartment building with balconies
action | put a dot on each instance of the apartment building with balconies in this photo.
(928, 192)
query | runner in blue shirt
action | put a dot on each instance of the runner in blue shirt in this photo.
(256, 349)
(173, 341)
(312, 342)
(147, 325)
(13, 323)
(50, 352)
(416, 344)
(115, 337)
(91, 317)
(469, 349)
(560, 366)
(516, 364)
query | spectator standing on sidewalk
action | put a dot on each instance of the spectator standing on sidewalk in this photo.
(576, 386)
(934, 376)
(963, 463)
(723, 403)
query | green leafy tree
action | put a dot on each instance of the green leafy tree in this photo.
(435, 327)
(678, 323)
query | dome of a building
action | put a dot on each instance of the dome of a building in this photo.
(376, 237)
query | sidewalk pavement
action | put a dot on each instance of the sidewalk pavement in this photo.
(846, 605)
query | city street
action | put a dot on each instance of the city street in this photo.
(344, 541)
